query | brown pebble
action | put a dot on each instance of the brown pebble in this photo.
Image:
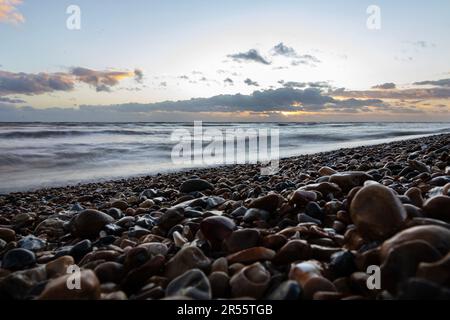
(251, 281)
(59, 266)
(57, 289)
(251, 255)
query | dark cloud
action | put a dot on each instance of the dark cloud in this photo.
(250, 82)
(312, 84)
(138, 75)
(33, 84)
(228, 81)
(297, 59)
(30, 84)
(250, 55)
(440, 83)
(283, 50)
(10, 100)
(385, 86)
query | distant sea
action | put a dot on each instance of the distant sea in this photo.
(35, 155)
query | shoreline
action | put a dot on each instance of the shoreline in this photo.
(309, 232)
(171, 172)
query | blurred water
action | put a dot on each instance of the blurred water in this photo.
(34, 155)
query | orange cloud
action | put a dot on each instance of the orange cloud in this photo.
(9, 12)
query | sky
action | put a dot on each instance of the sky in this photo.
(247, 60)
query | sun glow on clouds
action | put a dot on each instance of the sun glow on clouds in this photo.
(9, 13)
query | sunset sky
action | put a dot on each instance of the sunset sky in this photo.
(246, 60)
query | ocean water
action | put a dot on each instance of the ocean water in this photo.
(35, 155)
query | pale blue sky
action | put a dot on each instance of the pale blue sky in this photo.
(169, 39)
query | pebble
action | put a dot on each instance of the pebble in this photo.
(326, 171)
(192, 284)
(59, 266)
(220, 284)
(317, 284)
(242, 239)
(254, 214)
(292, 251)
(438, 208)
(187, 258)
(342, 263)
(251, 281)
(216, 229)
(88, 223)
(32, 243)
(302, 197)
(436, 271)
(350, 179)
(251, 255)
(79, 250)
(57, 289)
(193, 185)
(287, 290)
(109, 271)
(17, 259)
(7, 234)
(17, 285)
(147, 204)
(377, 212)
(268, 203)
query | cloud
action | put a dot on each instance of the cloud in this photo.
(251, 55)
(138, 75)
(228, 81)
(163, 84)
(34, 84)
(440, 83)
(297, 59)
(9, 12)
(9, 100)
(385, 86)
(407, 94)
(312, 84)
(422, 44)
(283, 50)
(250, 82)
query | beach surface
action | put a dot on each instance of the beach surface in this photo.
(324, 227)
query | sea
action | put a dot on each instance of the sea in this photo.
(39, 155)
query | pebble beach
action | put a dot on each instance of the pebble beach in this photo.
(310, 232)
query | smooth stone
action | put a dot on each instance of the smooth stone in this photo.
(323, 187)
(274, 241)
(193, 284)
(242, 239)
(422, 289)
(76, 207)
(251, 255)
(350, 179)
(79, 250)
(254, 214)
(57, 289)
(377, 212)
(59, 266)
(216, 229)
(326, 171)
(251, 281)
(147, 204)
(7, 234)
(88, 223)
(238, 212)
(419, 166)
(136, 257)
(17, 259)
(287, 290)
(303, 271)
(440, 181)
(155, 248)
(220, 265)
(438, 208)
(292, 251)
(137, 277)
(438, 237)
(187, 258)
(109, 271)
(313, 210)
(317, 284)
(17, 285)
(220, 284)
(115, 213)
(192, 185)
(342, 264)
(268, 202)
(302, 197)
(53, 227)
(437, 271)
(31, 243)
(304, 218)
(170, 218)
(415, 195)
(120, 204)
(403, 260)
